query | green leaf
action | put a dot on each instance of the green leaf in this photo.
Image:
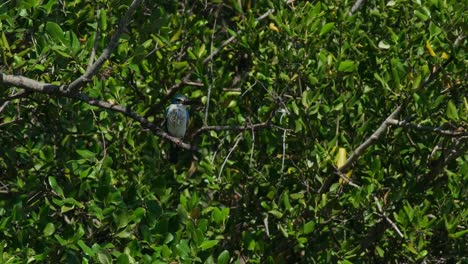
(452, 112)
(208, 244)
(123, 234)
(297, 196)
(224, 257)
(123, 259)
(347, 66)
(219, 216)
(309, 227)
(307, 98)
(4, 42)
(178, 65)
(176, 36)
(49, 229)
(104, 257)
(327, 28)
(380, 251)
(55, 31)
(276, 213)
(459, 234)
(53, 183)
(183, 248)
(103, 19)
(87, 250)
(86, 154)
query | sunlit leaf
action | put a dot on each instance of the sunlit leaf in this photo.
(347, 66)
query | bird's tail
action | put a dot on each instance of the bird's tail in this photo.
(173, 153)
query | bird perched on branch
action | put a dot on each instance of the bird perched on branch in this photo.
(176, 120)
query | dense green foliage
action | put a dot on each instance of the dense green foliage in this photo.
(82, 184)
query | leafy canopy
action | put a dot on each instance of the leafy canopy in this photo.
(283, 92)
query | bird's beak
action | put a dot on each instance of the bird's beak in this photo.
(185, 102)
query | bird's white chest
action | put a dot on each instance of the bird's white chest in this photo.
(177, 120)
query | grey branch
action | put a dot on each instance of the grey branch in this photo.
(360, 150)
(94, 68)
(232, 38)
(459, 148)
(383, 215)
(11, 122)
(71, 91)
(15, 96)
(230, 128)
(438, 130)
(97, 35)
(345, 179)
(44, 88)
(369, 141)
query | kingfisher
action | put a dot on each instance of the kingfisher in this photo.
(176, 119)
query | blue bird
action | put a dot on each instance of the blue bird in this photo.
(176, 120)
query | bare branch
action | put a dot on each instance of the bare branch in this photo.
(97, 35)
(346, 179)
(239, 137)
(11, 122)
(45, 88)
(29, 84)
(198, 84)
(174, 88)
(369, 141)
(383, 215)
(230, 128)
(252, 147)
(359, 151)
(71, 90)
(459, 147)
(232, 38)
(15, 96)
(133, 115)
(437, 130)
(92, 70)
(284, 151)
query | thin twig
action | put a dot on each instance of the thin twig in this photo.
(382, 214)
(15, 96)
(45, 88)
(369, 141)
(92, 70)
(239, 137)
(437, 130)
(11, 122)
(3, 106)
(459, 147)
(284, 141)
(265, 222)
(230, 128)
(252, 147)
(103, 138)
(232, 38)
(284, 151)
(208, 94)
(359, 151)
(96, 43)
(198, 84)
(174, 88)
(346, 179)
